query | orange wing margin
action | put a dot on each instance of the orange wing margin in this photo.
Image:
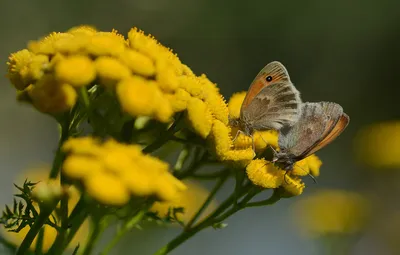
(341, 125)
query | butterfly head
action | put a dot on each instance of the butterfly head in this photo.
(243, 125)
(283, 160)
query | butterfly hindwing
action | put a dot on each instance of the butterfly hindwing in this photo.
(306, 132)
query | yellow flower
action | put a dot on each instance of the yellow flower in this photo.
(166, 76)
(75, 44)
(140, 97)
(110, 70)
(291, 186)
(179, 100)
(191, 200)
(235, 103)
(331, 212)
(220, 138)
(264, 174)
(262, 139)
(309, 165)
(17, 68)
(103, 44)
(137, 62)
(40, 175)
(83, 29)
(115, 194)
(48, 96)
(120, 167)
(46, 45)
(378, 145)
(76, 70)
(199, 117)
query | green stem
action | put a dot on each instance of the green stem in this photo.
(76, 218)
(59, 157)
(185, 235)
(62, 232)
(214, 191)
(35, 228)
(39, 242)
(84, 97)
(165, 137)
(270, 201)
(126, 228)
(98, 229)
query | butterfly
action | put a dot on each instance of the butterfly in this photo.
(319, 124)
(271, 102)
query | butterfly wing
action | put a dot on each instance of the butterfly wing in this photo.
(271, 104)
(306, 132)
(337, 124)
(276, 70)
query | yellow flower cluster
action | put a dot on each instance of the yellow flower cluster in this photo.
(123, 169)
(331, 212)
(378, 145)
(262, 172)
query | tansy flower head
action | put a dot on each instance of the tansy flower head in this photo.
(140, 97)
(264, 174)
(122, 168)
(235, 103)
(18, 68)
(331, 212)
(199, 117)
(309, 165)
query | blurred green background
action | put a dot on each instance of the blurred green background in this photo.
(341, 51)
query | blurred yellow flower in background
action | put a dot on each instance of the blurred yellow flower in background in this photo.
(191, 200)
(378, 145)
(40, 175)
(331, 212)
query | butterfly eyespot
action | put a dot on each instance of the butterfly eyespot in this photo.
(269, 78)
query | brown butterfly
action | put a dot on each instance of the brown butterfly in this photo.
(271, 102)
(319, 124)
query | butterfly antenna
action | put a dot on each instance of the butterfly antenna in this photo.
(236, 136)
(308, 173)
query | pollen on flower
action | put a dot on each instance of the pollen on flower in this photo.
(263, 139)
(264, 174)
(235, 103)
(110, 70)
(199, 117)
(120, 166)
(76, 70)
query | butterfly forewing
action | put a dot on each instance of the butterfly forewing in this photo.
(274, 69)
(275, 106)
